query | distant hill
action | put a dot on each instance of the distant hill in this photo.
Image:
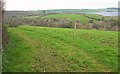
(70, 10)
(44, 12)
(114, 8)
(80, 10)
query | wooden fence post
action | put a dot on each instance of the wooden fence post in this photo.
(75, 27)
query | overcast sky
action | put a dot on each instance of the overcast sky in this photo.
(59, 4)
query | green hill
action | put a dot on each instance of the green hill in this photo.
(72, 17)
(83, 18)
(43, 49)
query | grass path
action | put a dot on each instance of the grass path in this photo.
(42, 52)
(53, 49)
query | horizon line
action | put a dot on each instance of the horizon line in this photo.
(59, 9)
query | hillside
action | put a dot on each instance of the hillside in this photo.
(72, 17)
(46, 49)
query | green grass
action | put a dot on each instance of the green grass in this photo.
(0, 62)
(96, 16)
(72, 17)
(41, 49)
(16, 56)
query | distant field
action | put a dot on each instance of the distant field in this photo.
(96, 16)
(72, 17)
(38, 49)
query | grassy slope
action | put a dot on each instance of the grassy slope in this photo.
(53, 49)
(72, 17)
(94, 16)
(16, 56)
(97, 16)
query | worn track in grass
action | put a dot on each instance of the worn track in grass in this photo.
(55, 49)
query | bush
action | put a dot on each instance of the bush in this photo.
(90, 21)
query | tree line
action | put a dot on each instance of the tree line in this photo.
(111, 25)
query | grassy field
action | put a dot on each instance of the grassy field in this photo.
(43, 49)
(96, 16)
(72, 17)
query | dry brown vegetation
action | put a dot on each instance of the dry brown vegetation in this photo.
(111, 24)
(3, 27)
